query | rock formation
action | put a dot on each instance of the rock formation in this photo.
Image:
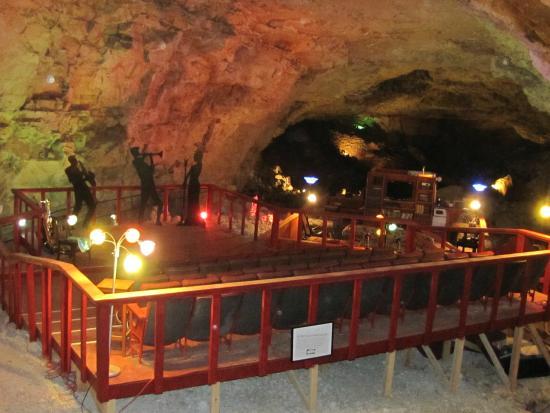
(97, 76)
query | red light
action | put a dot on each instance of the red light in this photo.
(203, 215)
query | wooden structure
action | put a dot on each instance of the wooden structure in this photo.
(28, 286)
(401, 194)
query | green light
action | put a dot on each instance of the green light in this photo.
(365, 122)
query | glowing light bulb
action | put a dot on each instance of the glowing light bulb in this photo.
(72, 220)
(479, 187)
(475, 205)
(379, 216)
(132, 263)
(50, 79)
(203, 215)
(392, 227)
(147, 247)
(132, 235)
(312, 198)
(545, 211)
(378, 232)
(311, 179)
(22, 223)
(97, 236)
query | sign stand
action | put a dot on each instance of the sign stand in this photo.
(308, 343)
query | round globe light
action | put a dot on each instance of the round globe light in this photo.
(132, 235)
(132, 263)
(475, 205)
(312, 198)
(392, 227)
(147, 247)
(72, 220)
(22, 223)
(97, 236)
(203, 215)
(545, 211)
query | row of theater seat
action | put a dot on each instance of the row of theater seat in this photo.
(312, 262)
(189, 318)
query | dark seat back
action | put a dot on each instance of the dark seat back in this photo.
(450, 286)
(198, 328)
(176, 318)
(333, 300)
(290, 308)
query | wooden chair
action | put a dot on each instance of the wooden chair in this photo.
(142, 323)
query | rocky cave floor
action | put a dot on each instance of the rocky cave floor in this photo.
(28, 384)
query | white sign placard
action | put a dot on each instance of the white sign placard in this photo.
(311, 341)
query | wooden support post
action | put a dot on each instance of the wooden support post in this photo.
(457, 364)
(496, 362)
(435, 364)
(514, 361)
(309, 400)
(390, 367)
(215, 397)
(313, 387)
(539, 343)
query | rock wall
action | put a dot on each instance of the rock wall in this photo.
(93, 77)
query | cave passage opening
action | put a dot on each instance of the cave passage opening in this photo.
(341, 151)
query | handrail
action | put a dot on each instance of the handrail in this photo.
(310, 279)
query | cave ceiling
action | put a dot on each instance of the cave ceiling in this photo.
(98, 76)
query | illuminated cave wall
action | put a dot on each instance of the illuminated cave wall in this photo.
(97, 76)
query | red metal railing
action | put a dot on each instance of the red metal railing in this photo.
(20, 271)
(20, 274)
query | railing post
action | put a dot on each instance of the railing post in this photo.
(11, 292)
(256, 220)
(325, 230)
(66, 324)
(352, 234)
(395, 307)
(31, 303)
(160, 315)
(83, 337)
(432, 306)
(275, 230)
(520, 242)
(102, 361)
(18, 296)
(16, 235)
(165, 198)
(265, 331)
(481, 242)
(3, 283)
(209, 198)
(220, 205)
(299, 228)
(313, 303)
(214, 344)
(46, 311)
(354, 322)
(243, 221)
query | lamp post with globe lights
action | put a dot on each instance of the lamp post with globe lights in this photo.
(132, 263)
